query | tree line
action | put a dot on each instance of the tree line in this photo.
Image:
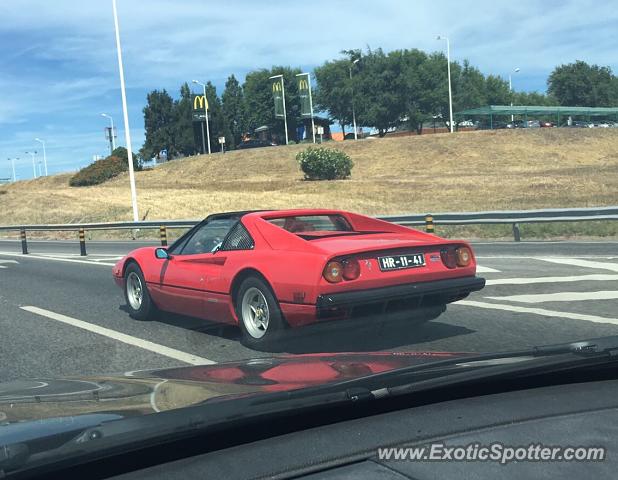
(383, 89)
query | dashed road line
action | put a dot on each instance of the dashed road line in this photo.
(599, 277)
(538, 311)
(576, 262)
(121, 337)
(55, 259)
(481, 269)
(560, 297)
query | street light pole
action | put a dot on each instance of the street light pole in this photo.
(111, 135)
(511, 91)
(12, 160)
(450, 91)
(44, 153)
(125, 114)
(353, 110)
(33, 163)
(205, 113)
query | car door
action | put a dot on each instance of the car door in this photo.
(183, 279)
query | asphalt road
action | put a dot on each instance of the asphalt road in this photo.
(61, 314)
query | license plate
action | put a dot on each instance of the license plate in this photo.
(398, 262)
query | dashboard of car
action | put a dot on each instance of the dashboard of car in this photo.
(574, 414)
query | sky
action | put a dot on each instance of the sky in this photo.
(59, 69)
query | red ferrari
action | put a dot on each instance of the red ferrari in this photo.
(268, 270)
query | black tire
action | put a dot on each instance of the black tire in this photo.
(252, 336)
(146, 309)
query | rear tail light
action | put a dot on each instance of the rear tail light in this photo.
(333, 272)
(449, 257)
(456, 257)
(351, 269)
(464, 256)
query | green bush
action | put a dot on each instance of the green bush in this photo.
(99, 171)
(102, 170)
(324, 164)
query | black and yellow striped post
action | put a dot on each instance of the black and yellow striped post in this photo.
(24, 242)
(82, 242)
(516, 233)
(429, 223)
(163, 235)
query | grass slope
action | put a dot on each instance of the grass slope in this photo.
(433, 173)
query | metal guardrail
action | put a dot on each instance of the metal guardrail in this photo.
(512, 217)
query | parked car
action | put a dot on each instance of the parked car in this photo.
(254, 143)
(234, 268)
(547, 124)
(516, 124)
(533, 124)
(582, 124)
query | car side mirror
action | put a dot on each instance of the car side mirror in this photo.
(162, 254)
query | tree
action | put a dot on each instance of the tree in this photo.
(260, 108)
(233, 104)
(379, 90)
(334, 91)
(159, 124)
(185, 130)
(122, 154)
(582, 85)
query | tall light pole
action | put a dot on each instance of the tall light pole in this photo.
(450, 91)
(33, 154)
(205, 113)
(111, 132)
(285, 116)
(44, 153)
(125, 114)
(511, 90)
(12, 160)
(353, 110)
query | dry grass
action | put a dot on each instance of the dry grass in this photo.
(432, 173)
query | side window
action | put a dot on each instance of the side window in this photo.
(238, 239)
(208, 237)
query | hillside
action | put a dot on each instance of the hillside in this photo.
(432, 173)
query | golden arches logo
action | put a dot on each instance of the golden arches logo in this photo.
(303, 84)
(199, 102)
(276, 87)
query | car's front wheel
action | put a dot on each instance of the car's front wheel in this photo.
(259, 315)
(136, 294)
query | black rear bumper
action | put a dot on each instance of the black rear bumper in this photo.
(436, 292)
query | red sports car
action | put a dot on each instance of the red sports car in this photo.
(267, 270)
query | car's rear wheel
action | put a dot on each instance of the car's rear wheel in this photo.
(259, 315)
(136, 294)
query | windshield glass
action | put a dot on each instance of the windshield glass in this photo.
(204, 202)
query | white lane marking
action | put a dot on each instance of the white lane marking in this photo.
(576, 262)
(7, 261)
(54, 259)
(106, 259)
(560, 297)
(536, 257)
(481, 269)
(121, 337)
(538, 311)
(598, 277)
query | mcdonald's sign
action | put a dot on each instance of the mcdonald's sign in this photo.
(277, 88)
(200, 104)
(304, 94)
